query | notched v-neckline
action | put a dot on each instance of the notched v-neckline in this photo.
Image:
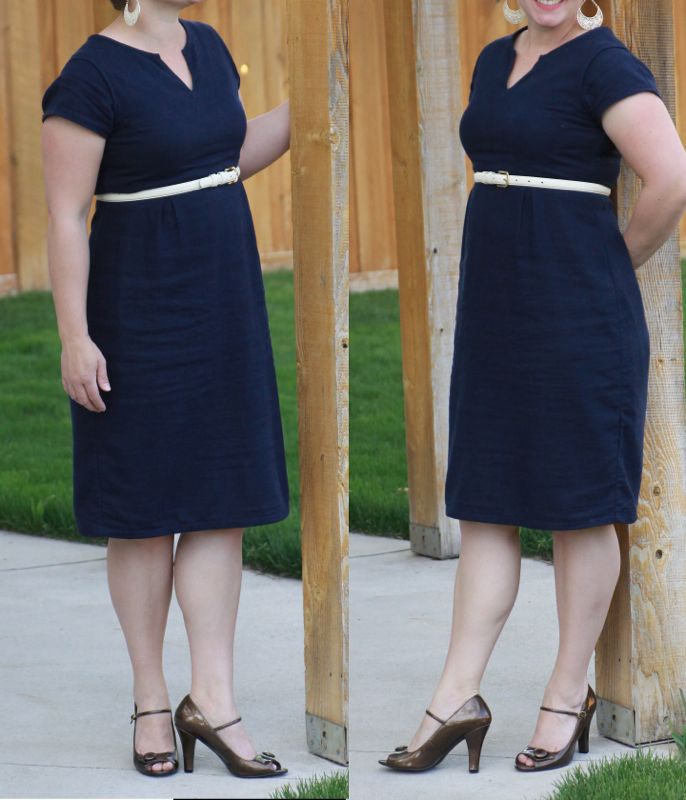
(512, 55)
(184, 53)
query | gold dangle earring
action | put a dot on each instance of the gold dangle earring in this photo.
(131, 17)
(513, 17)
(588, 23)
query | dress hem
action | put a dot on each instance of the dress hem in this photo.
(167, 530)
(627, 516)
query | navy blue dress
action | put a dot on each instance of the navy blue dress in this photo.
(192, 437)
(551, 350)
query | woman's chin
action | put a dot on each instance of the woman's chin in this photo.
(549, 15)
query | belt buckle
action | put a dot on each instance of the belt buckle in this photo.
(233, 172)
(507, 179)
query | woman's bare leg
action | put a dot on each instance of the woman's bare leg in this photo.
(139, 575)
(587, 566)
(207, 579)
(486, 584)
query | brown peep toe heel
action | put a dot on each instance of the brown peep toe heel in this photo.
(471, 721)
(544, 759)
(192, 725)
(143, 762)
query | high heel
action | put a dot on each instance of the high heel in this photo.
(471, 722)
(475, 739)
(192, 725)
(583, 738)
(188, 749)
(545, 759)
(143, 762)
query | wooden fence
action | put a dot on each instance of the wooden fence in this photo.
(39, 35)
(373, 259)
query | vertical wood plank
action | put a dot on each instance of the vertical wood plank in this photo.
(248, 19)
(8, 276)
(430, 195)
(370, 157)
(319, 157)
(256, 38)
(640, 657)
(25, 71)
(276, 91)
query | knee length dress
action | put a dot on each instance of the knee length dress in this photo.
(550, 365)
(192, 437)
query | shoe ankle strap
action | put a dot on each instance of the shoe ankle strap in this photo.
(226, 724)
(579, 714)
(438, 719)
(137, 714)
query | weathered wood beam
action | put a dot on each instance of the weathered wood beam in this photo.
(319, 156)
(429, 189)
(641, 654)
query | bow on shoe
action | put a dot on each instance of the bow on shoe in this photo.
(267, 758)
(537, 753)
(147, 757)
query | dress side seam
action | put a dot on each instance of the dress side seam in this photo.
(622, 344)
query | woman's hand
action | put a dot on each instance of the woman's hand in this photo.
(84, 369)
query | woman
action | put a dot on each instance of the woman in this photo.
(551, 354)
(165, 299)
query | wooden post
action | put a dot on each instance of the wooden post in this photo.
(429, 190)
(641, 654)
(319, 157)
(679, 21)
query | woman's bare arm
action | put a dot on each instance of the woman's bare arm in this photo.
(643, 131)
(267, 139)
(71, 159)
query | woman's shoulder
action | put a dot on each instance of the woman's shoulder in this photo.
(82, 93)
(611, 71)
(210, 33)
(607, 55)
(602, 37)
(205, 31)
(495, 45)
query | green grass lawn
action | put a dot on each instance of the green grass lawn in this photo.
(631, 776)
(35, 427)
(331, 786)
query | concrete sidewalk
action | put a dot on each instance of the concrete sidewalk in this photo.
(66, 682)
(400, 606)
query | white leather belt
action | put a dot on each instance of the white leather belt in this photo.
(228, 175)
(503, 179)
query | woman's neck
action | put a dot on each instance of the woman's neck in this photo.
(541, 39)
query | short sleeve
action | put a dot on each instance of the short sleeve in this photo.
(613, 74)
(81, 94)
